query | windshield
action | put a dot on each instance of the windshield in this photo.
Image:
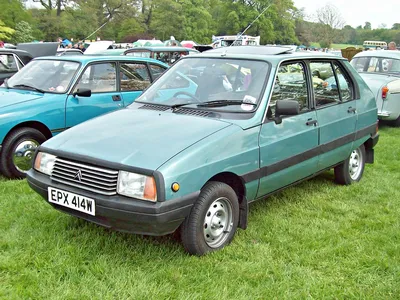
(52, 76)
(376, 65)
(196, 81)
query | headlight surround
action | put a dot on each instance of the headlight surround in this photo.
(137, 186)
(44, 162)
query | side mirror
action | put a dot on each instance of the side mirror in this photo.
(83, 93)
(286, 108)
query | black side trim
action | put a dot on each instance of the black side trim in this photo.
(298, 158)
(59, 129)
(110, 165)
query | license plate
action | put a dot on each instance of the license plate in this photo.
(71, 200)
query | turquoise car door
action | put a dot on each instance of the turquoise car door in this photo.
(134, 78)
(101, 79)
(336, 112)
(289, 150)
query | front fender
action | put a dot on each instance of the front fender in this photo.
(231, 150)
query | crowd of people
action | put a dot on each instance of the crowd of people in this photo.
(67, 44)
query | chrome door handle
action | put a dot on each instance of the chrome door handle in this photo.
(311, 122)
(116, 98)
(351, 110)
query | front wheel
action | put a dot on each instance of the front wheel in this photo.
(352, 169)
(18, 151)
(213, 220)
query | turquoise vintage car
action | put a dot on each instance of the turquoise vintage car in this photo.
(52, 94)
(194, 157)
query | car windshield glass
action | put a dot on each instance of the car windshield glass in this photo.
(376, 65)
(194, 81)
(52, 76)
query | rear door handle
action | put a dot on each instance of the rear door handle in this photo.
(116, 98)
(351, 110)
(311, 122)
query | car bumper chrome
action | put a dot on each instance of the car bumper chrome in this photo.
(122, 213)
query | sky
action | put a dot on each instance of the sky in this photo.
(357, 12)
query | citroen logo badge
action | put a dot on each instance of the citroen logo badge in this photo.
(78, 175)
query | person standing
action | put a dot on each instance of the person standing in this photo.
(392, 46)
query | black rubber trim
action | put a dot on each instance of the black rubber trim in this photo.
(119, 212)
(298, 158)
(59, 129)
(160, 185)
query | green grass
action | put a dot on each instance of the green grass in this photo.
(316, 240)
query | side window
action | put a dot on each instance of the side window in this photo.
(99, 78)
(326, 90)
(8, 63)
(345, 84)
(156, 71)
(290, 84)
(134, 77)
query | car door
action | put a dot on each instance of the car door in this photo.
(336, 110)
(134, 77)
(289, 150)
(101, 79)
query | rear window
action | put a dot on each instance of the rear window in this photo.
(376, 64)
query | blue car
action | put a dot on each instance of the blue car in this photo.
(52, 94)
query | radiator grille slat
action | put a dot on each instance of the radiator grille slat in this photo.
(85, 176)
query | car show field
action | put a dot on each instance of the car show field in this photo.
(314, 240)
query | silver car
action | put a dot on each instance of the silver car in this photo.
(381, 71)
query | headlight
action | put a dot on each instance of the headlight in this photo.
(137, 186)
(44, 162)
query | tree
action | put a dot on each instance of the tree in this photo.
(367, 26)
(330, 21)
(23, 33)
(5, 32)
(396, 26)
(12, 12)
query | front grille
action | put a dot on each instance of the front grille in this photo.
(84, 176)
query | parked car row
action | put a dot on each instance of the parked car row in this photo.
(215, 132)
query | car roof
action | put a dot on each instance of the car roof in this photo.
(379, 53)
(269, 53)
(90, 58)
(158, 48)
(24, 56)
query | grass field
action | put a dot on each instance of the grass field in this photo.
(316, 240)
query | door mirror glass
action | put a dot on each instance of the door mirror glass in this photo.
(83, 92)
(287, 108)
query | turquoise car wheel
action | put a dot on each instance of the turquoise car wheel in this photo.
(18, 151)
(352, 169)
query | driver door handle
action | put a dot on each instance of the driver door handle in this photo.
(311, 122)
(351, 110)
(116, 98)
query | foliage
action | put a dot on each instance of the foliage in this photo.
(23, 33)
(5, 32)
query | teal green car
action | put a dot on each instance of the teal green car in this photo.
(214, 133)
(51, 94)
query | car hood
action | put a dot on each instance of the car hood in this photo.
(12, 97)
(376, 81)
(135, 137)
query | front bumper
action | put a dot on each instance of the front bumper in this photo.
(122, 213)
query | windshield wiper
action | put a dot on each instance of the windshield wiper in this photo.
(218, 103)
(28, 87)
(175, 106)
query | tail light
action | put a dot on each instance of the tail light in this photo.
(385, 91)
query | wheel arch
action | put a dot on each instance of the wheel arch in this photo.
(238, 185)
(35, 125)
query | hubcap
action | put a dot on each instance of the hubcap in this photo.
(218, 222)
(355, 164)
(23, 155)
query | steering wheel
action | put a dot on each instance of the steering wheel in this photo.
(187, 94)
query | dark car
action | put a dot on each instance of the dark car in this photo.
(11, 61)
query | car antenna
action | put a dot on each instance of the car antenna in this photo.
(240, 35)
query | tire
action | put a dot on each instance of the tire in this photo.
(396, 123)
(18, 150)
(213, 220)
(352, 169)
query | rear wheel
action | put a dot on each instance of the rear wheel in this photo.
(213, 220)
(352, 169)
(397, 122)
(18, 151)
